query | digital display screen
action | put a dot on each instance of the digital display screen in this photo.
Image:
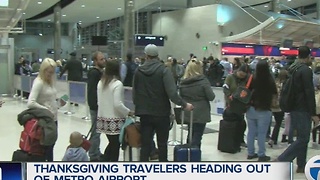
(143, 40)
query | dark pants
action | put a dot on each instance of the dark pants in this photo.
(278, 117)
(314, 134)
(111, 153)
(241, 129)
(94, 151)
(197, 133)
(159, 125)
(301, 122)
(49, 150)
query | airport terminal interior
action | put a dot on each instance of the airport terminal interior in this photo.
(218, 31)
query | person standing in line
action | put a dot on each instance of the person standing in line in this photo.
(43, 95)
(94, 76)
(304, 109)
(196, 89)
(131, 68)
(111, 109)
(74, 68)
(259, 113)
(153, 88)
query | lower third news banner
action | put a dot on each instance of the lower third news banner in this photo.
(159, 171)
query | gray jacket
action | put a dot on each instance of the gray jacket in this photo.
(153, 87)
(45, 121)
(198, 92)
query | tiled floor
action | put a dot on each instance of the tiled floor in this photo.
(10, 132)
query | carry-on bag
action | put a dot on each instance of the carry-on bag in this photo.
(187, 152)
(227, 141)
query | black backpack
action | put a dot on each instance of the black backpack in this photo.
(287, 91)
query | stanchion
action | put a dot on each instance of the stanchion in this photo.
(87, 117)
(174, 141)
(69, 112)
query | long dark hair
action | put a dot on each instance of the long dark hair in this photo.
(264, 84)
(112, 71)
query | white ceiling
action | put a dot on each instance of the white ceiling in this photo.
(107, 9)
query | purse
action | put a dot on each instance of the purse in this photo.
(241, 98)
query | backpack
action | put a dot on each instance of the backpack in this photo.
(241, 98)
(30, 138)
(287, 91)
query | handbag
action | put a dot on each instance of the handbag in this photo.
(133, 134)
(241, 98)
(86, 144)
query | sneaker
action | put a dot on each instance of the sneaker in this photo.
(243, 144)
(252, 157)
(271, 143)
(300, 170)
(264, 158)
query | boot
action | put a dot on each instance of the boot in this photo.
(284, 138)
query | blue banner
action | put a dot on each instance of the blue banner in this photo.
(12, 171)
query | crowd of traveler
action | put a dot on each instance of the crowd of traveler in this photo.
(186, 84)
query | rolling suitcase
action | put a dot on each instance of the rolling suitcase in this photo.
(187, 152)
(227, 141)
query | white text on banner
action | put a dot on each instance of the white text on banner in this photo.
(159, 171)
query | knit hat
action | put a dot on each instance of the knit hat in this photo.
(151, 50)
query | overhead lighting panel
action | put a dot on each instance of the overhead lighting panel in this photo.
(83, 5)
(39, 2)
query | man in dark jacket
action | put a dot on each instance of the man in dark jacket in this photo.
(131, 68)
(94, 76)
(74, 68)
(153, 88)
(303, 112)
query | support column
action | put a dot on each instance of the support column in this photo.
(128, 26)
(318, 9)
(149, 22)
(275, 6)
(57, 32)
(189, 4)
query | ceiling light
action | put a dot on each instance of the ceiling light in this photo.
(119, 8)
(289, 0)
(64, 15)
(83, 5)
(266, 6)
(80, 21)
(23, 13)
(98, 17)
(40, 34)
(49, 19)
(19, 9)
(8, 26)
(39, 2)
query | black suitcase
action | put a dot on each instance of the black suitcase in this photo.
(228, 140)
(22, 156)
(186, 152)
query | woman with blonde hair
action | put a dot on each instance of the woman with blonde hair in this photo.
(195, 88)
(43, 94)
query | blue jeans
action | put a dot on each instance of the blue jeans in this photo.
(301, 122)
(258, 125)
(197, 133)
(94, 151)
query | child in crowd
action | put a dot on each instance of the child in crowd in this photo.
(74, 151)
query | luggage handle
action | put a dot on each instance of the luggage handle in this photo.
(190, 125)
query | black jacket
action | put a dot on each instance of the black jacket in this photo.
(304, 95)
(75, 70)
(198, 92)
(153, 86)
(94, 76)
(45, 120)
(131, 68)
